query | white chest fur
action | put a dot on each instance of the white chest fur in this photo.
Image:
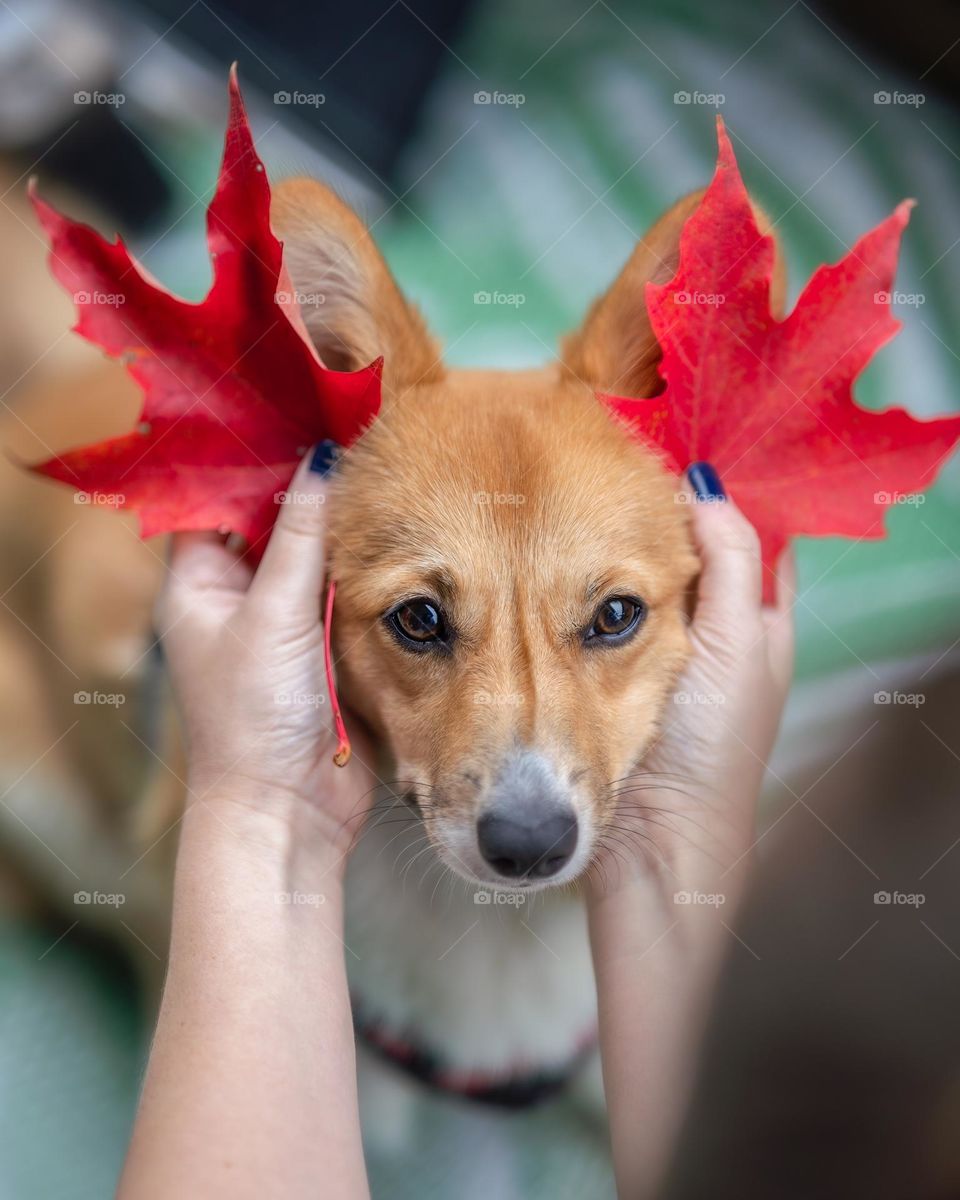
(487, 986)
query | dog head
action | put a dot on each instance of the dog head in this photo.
(511, 567)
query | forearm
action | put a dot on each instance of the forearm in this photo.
(655, 961)
(251, 1084)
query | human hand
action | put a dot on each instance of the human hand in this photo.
(688, 813)
(245, 651)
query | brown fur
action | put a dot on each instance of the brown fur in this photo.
(520, 507)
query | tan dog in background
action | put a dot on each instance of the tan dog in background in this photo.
(513, 575)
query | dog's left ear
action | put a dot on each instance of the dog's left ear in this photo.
(350, 303)
(615, 350)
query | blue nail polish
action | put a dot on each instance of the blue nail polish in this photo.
(705, 481)
(326, 455)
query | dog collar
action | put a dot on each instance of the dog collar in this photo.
(520, 1085)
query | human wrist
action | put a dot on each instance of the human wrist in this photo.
(240, 901)
(268, 834)
(680, 900)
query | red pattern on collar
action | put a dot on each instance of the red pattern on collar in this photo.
(519, 1085)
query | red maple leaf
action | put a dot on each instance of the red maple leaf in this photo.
(234, 393)
(768, 401)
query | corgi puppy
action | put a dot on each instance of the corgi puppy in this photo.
(512, 575)
(513, 582)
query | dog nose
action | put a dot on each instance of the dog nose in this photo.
(526, 845)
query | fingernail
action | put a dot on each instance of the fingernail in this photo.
(705, 481)
(325, 456)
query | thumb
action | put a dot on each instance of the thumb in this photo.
(291, 572)
(729, 550)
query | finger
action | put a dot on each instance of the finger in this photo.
(197, 562)
(203, 560)
(291, 572)
(729, 549)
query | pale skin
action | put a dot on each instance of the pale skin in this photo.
(251, 1083)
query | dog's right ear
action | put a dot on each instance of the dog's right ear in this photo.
(615, 349)
(350, 303)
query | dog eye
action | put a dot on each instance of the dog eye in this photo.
(616, 618)
(418, 623)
